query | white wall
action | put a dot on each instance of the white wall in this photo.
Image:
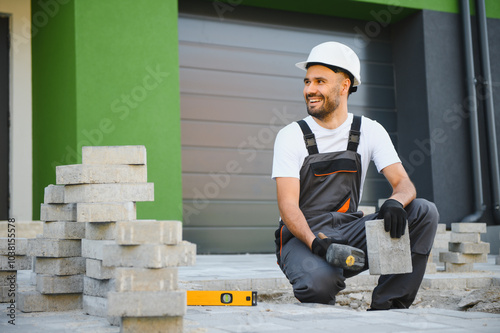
(21, 176)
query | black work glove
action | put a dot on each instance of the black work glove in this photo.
(394, 216)
(320, 245)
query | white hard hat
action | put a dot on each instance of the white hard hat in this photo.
(335, 54)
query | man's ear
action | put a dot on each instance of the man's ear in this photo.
(346, 84)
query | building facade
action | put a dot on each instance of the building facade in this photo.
(206, 85)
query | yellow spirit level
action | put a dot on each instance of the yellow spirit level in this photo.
(217, 297)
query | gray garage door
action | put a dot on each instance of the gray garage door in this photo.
(239, 86)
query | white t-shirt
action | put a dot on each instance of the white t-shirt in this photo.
(374, 145)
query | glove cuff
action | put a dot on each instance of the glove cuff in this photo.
(394, 202)
(317, 248)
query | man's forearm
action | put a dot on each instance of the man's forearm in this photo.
(404, 192)
(297, 224)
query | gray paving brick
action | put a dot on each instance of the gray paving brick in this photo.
(64, 230)
(100, 174)
(54, 284)
(100, 230)
(441, 228)
(60, 266)
(443, 283)
(96, 287)
(96, 270)
(458, 268)
(461, 258)
(17, 245)
(149, 255)
(56, 248)
(7, 278)
(114, 155)
(467, 237)
(147, 303)
(387, 255)
(109, 192)
(470, 248)
(94, 249)
(9, 263)
(106, 212)
(148, 232)
(24, 229)
(463, 227)
(58, 212)
(146, 279)
(98, 306)
(7, 293)
(34, 301)
(53, 194)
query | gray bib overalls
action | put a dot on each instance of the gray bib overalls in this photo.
(329, 195)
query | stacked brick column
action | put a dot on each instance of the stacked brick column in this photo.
(440, 244)
(13, 257)
(57, 263)
(146, 257)
(105, 188)
(465, 247)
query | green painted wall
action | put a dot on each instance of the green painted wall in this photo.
(54, 94)
(368, 10)
(126, 92)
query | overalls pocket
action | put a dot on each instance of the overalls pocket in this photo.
(343, 205)
(326, 168)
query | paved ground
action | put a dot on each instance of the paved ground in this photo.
(260, 272)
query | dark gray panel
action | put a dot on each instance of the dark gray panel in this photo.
(273, 38)
(231, 240)
(227, 135)
(4, 118)
(411, 101)
(198, 213)
(225, 186)
(243, 161)
(242, 110)
(450, 156)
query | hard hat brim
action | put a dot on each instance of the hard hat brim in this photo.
(303, 65)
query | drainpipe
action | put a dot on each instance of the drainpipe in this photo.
(474, 128)
(489, 108)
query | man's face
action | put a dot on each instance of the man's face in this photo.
(321, 91)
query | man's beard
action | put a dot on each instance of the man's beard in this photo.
(329, 106)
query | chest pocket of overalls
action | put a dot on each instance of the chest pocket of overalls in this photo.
(323, 169)
(326, 168)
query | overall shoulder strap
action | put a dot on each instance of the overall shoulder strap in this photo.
(309, 137)
(354, 134)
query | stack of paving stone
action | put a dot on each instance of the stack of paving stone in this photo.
(465, 247)
(105, 187)
(58, 264)
(440, 244)
(146, 257)
(13, 257)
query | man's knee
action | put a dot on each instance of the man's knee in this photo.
(423, 218)
(319, 286)
(422, 209)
